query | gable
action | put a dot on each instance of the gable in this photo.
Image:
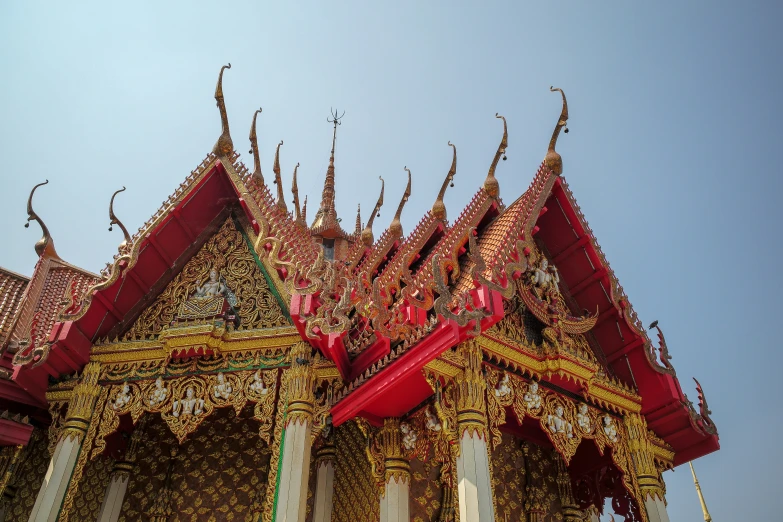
(228, 251)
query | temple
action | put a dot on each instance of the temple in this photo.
(237, 362)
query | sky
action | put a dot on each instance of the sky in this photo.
(674, 151)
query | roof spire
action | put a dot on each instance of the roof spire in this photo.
(367, 237)
(439, 207)
(224, 145)
(45, 245)
(114, 220)
(254, 148)
(295, 191)
(278, 181)
(396, 225)
(358, 229)
(304, 211)
(491, 185)
(553, 159)
(707, 517)
(326, 212)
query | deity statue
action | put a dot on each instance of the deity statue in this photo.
(544, 274)
(159, 393)
(409, 436)
(503, 388)
(123, 398)
(222, 390)
(258, 384)
(211, 288)
(558, 424)
(532, 398)
(190, 405)
(432, 422)
(583, 419)
(610, 429)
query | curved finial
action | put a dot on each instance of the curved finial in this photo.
(224, 145)
(278, 180)
(439, 207)
(367, 237)
(45, 244)
(254, 148)
(491, 185)
(553, 159)
(113, 220)
(396, 225)
(295, 191)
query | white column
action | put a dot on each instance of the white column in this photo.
(656, 510)
(294, 475)
(115, 492)
(324, 485)
(474, 485)
(395, 502)
(55, 483)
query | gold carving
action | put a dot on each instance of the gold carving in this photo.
(471, 388)
(356, 497)
(642, 455)
(301, 383)
(80, 407)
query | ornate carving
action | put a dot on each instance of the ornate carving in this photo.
(471, 389)
(80, 407)
(301, 384)
(356, 496)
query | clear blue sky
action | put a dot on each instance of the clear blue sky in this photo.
(674, 152)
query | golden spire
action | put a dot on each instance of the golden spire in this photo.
(358, 229)
(553, 159)
(45, 245)
(224, 145)
(254, 149)
(114, 220)
(326, 212)
(396, 225)
(491, 185)
(707, 517)
(304, 210)
(367, 237)
(278, 180)
(295, 191)
(439, 207)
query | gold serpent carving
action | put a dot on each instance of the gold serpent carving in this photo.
(228, 253)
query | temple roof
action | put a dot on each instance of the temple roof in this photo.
(12, 286)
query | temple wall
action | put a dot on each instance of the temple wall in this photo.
(220, 472)
(508, 473)
(427, 500)
(92, 487)
(356, 494)
(28, 477)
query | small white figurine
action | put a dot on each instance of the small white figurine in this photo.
(503, 388)
(159, 393)
(222, 390)
(557, 423)
(189, 405)
(532, 398)
(583, 419)
(123, 398)
(610, 429)
(544, 275)
(211, 288)
(408, 436)
(432, 422)
(258, 384)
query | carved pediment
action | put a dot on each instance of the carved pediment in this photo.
(222, 278)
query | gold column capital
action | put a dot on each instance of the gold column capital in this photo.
(390, 444)
(82, 402)
(471, 388)
(642, 456)
(301, 383)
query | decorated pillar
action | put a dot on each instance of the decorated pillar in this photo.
(647, 475)
(324, 482)
(571, 511)
(64, 460)
(535, 489)
(295, 449)
(473, 473)
(120, 475)
(395, 500)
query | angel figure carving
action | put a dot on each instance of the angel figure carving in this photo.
(123, 398)
(190, 405)
(222, 390)
(558, 424)
(213, 287)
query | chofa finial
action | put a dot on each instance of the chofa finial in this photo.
(254, 149)
(295, 191)
(553, 159)
(491, 185)
(367, 237)
(396, 225)
(439, 207)
(278, 180)
(224, 145)
(45, 245)
(114, 220)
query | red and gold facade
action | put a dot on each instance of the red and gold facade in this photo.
(235, 363)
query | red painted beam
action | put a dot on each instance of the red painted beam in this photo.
(595, 276)
(628, 348)
(13, 433)
(157, 248)
(565, 254)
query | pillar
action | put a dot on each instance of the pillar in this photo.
(58, 476)
(647, 474)
(291, 505)
(324, 482)
(473, 474)
(120, 475)
(571, 511)
(395, 501)
(9, 458)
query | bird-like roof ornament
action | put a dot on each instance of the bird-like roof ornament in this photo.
(278, 180)
(254, 149)
(553, 159)
(367, 237)
(491, 185)
(224, 145)
(45, 245)
(396, 225)
(439, 207)
(114, 220)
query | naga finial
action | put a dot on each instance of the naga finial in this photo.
(114, 220)
(553, 159)
(278, 180)
(295, 191)
(396, 225)
(358, 229)
(491, 185)
(224, 145)
(45, 245)
(704, 409)
(439, 207)
(367, 237)
(254, 149)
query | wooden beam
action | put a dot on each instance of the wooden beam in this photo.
(570, 249)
